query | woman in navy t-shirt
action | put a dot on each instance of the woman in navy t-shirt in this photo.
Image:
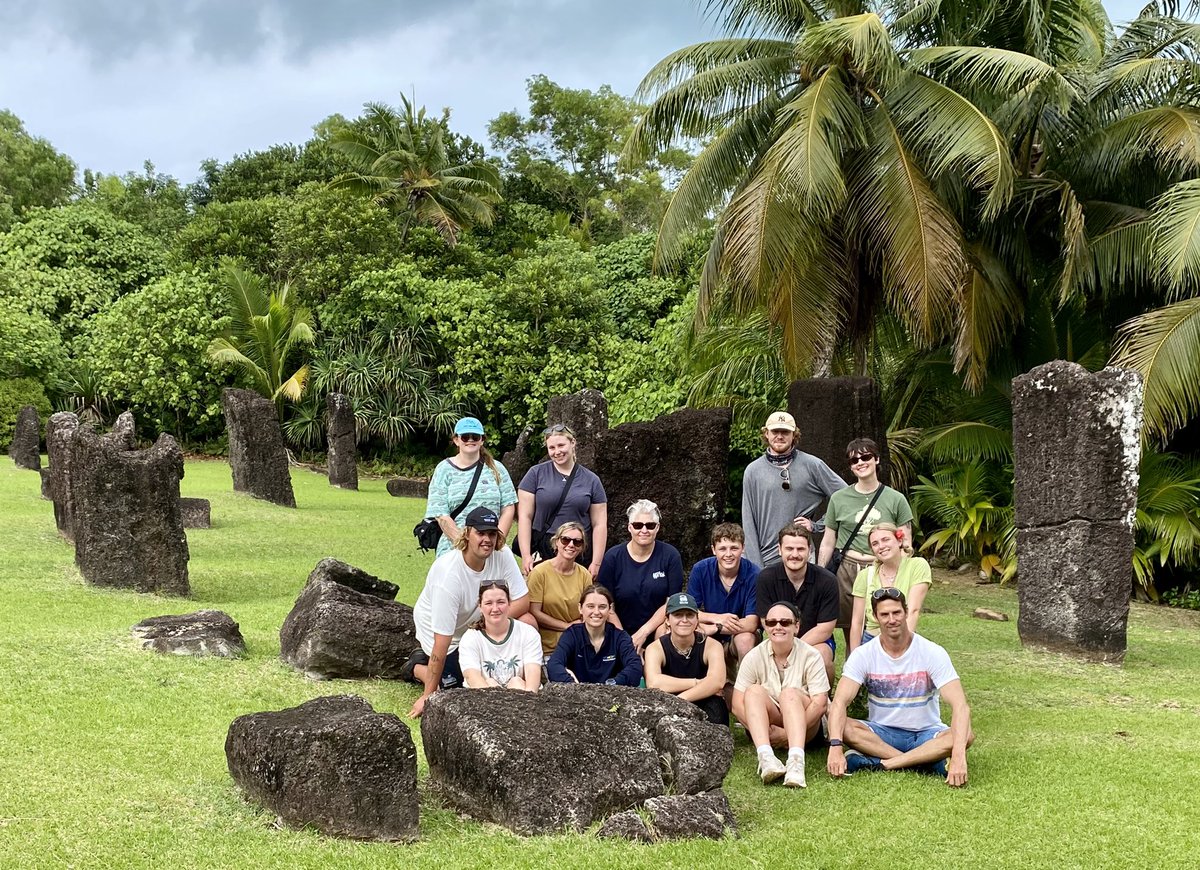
(642, 574)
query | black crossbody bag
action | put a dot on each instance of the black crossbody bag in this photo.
(835, 561)
(428, 532)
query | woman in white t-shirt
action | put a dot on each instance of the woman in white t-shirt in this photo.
(499, 652)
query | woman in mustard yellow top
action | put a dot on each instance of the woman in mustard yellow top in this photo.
(556, 584)
(894, 565)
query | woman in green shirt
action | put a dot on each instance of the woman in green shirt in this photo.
(894, 565)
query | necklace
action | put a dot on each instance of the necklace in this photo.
(686, 653)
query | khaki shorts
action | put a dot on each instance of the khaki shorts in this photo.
(845, 577)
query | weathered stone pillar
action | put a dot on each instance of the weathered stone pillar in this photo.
(25, 450)
(256, 452)
(832, 412)
(60, 429)
(128, 531)
(679, 461)
(341, 431)
(586, 412)
(1077, 445)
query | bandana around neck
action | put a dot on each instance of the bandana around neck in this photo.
(781, 459)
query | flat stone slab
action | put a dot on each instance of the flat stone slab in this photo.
(993, 615)
(536, 763)
(196, 513)
(645, 707)
(332, 763)
(203, 633)
(408, 487)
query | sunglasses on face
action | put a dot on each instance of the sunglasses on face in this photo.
(782, 623)
(470, 437)
(889, 592)
(862, 457)
(786, 476)
(571, 542)
(637, 527)
(557, 429)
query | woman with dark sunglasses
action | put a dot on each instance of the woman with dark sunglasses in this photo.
(451, 482)
(780, 695)
(642, 574)
(556, 491)
(895, 569)
(854, 511)
(556, 584)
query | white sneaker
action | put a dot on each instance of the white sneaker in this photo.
(770, 768)
(795, 773)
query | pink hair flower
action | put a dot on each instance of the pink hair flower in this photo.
(899, 534)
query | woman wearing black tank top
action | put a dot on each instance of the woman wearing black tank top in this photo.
(686, 663)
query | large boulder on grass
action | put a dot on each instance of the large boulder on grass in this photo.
(257, 456)
(342, 440)
(345, 625)
(126, 522)
(684, 817)
(25, 449)
(536, 763)
(332, 763)
(644, 707)
(203, 633)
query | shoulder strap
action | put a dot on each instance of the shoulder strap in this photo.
(862, 519)
(562, 497)
(470, 492)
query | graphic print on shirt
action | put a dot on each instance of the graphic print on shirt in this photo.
(502, 670)
(870, 522)
(900, 690)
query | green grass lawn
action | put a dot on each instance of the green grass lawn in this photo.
(111, 756)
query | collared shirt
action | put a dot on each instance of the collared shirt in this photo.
(817, 598)
(706, 587)
(805, 671)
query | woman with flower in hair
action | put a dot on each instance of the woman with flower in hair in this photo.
(894, 566)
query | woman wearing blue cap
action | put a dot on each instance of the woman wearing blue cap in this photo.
(452, 481)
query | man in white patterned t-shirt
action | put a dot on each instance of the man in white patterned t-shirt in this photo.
(904, 674)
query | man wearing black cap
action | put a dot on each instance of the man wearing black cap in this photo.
(449, 603)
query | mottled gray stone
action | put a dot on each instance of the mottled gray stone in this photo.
(832, 412)
(332, 763)
(408, 487)
(628, 825)
(123, 434)
(256, 452)
(683, 817)
(337, 571)
(125, 504)
(645, 707)
(196, 513)
(518, 461)
(586, 412)
(536, 763)
(60, 430)
(696, 754)
(203, 633)
(1077, 448)
(341, 431)
(25, 449)
(334, 631)
(45, 474)
(680, 461)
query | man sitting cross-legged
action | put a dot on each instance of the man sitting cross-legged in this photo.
(904, 674)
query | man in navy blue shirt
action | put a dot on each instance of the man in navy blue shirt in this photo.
(724, 586)
(811, 588)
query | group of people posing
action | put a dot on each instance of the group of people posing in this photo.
(750, 629)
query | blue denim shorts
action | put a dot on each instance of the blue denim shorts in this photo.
(902, 738)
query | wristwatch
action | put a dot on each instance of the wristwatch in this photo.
(835, 742)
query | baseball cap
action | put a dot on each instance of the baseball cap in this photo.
(468, 426)
(483, 519)
(781, 420)
(682, 601)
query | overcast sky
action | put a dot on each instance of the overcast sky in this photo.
(114, 82)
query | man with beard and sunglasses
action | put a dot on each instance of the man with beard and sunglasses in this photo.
(783, 486)
(904, 674)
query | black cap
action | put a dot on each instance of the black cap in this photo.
(483, 520)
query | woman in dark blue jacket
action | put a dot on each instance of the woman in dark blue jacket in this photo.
(594, 650)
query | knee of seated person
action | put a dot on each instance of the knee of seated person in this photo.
(791, 696)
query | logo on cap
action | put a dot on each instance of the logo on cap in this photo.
(483, 519)
(682, 601)
(781, 420)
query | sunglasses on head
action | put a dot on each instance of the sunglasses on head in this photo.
(470, 437)
(557, 429)
(889, 592)
(786, 476)
(782, 623)
(571, 542)
(637, 527)
(493, 584)
(861, 457)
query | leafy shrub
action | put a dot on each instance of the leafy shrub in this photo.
(242, 230)
(15, 394)
(30, 346)
(148, 352)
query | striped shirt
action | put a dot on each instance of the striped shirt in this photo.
(902, 692)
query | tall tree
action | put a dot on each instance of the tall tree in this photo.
(32, 173)
(400, 158)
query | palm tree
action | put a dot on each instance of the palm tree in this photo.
(266, 327)
(401, 161)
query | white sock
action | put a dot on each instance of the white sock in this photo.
(796, 752)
